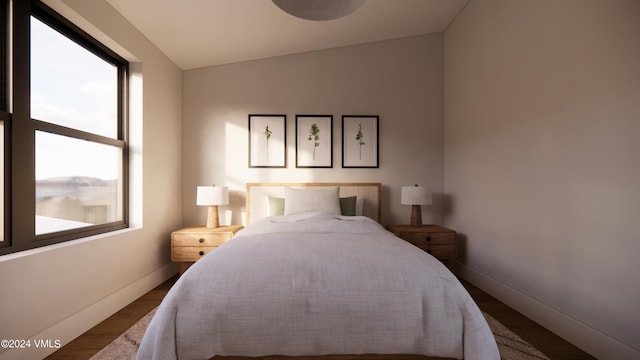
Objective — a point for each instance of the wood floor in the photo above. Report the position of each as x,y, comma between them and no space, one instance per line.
102,334
542,339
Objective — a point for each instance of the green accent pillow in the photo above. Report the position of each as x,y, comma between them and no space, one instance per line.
348,205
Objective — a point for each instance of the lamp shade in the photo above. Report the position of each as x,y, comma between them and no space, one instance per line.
212,195
415,195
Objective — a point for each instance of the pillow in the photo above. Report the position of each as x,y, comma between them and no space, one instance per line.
359,205
305,200
275,205
348,205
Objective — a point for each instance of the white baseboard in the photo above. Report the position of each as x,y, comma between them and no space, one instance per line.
68,329
584,337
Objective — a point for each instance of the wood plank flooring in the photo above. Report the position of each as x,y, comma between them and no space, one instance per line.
542,339
102,334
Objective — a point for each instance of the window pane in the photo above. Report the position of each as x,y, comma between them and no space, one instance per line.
78,183
4,54
70,86
1,181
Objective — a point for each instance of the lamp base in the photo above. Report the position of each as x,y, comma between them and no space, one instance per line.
212,217
416,215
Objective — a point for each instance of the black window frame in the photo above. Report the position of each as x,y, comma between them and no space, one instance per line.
20,128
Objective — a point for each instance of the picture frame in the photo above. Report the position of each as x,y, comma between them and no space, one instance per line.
360,141
314,141
267,141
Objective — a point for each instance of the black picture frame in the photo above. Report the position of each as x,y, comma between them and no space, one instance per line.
360,141
314,141
267,141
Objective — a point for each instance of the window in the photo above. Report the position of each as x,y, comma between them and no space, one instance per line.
4,116
65,131
2,204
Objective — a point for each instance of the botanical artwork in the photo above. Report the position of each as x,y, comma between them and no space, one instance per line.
360,141
267,140
314,135
267,134
314,141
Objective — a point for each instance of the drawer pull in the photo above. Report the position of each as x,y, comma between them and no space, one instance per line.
201,240
201,253
428,238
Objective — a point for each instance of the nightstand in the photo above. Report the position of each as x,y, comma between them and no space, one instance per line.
190,244
436,240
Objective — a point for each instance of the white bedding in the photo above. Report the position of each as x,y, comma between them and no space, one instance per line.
317,284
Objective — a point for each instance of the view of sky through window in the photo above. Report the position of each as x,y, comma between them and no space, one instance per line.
78,181
72,87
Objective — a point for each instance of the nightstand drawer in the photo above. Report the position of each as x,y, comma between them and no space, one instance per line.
190,253
190,244
424,238
435,240
441,251
202,239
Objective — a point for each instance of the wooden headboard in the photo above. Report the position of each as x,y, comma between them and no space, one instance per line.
257,194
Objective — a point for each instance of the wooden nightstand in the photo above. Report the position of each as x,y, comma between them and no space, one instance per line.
190,244
436,240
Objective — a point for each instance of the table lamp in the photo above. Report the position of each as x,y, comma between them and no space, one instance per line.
212,196
415,196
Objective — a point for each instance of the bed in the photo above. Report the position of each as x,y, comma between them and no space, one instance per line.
303,280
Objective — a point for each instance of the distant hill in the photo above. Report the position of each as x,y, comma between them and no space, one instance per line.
78,187
74,181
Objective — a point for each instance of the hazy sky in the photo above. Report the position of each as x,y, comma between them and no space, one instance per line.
72,87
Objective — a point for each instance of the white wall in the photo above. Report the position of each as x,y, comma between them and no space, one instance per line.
59,292
542,117
399,80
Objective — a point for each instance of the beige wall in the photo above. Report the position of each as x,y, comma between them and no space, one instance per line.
540,176
542,117
59,292
399,80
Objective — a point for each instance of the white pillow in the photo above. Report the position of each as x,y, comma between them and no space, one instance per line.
304,200
359,205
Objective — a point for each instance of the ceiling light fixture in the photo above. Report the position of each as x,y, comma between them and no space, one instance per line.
319,9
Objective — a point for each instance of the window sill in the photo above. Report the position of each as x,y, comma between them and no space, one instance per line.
21,254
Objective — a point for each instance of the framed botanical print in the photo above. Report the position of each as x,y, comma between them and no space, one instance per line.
314,141
360,140
267,141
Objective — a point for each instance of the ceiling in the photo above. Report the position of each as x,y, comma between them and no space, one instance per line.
201,33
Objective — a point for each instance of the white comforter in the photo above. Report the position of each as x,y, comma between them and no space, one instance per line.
317,284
